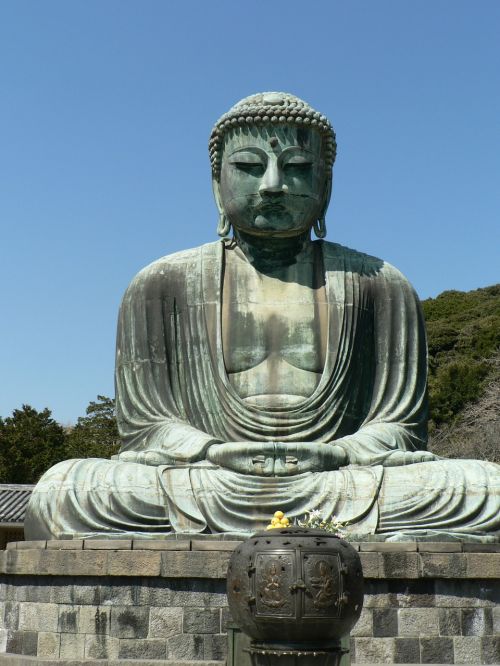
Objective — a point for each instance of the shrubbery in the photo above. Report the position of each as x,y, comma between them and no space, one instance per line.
463,331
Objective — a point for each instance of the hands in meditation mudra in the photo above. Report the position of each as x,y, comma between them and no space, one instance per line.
268,370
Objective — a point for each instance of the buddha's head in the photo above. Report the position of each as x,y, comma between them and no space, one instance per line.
272,158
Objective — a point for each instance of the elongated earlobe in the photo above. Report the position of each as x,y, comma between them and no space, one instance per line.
224,226
319,227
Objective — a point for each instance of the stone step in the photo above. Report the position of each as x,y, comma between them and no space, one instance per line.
23,660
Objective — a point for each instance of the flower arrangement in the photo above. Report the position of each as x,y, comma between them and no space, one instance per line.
314,520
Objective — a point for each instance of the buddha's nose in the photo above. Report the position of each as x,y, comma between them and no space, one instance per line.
272,180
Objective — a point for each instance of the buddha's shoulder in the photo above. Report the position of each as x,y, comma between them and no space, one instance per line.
341,258
175,267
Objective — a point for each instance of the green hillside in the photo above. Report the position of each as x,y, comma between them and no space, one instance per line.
464,372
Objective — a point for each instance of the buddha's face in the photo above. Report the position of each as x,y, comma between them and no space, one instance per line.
273,179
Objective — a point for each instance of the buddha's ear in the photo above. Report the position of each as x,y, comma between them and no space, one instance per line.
327,195
224,226
217,197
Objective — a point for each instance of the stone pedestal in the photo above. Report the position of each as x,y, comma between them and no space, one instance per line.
165,600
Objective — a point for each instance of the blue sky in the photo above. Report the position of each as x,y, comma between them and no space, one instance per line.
105,113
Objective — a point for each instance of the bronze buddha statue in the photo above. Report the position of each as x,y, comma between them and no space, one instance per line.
269,370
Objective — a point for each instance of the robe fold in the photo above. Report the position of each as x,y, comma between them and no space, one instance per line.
174,399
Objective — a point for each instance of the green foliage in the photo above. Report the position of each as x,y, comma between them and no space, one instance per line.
95,435
30,443
463,331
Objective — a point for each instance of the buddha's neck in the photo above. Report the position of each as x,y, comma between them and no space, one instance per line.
268,254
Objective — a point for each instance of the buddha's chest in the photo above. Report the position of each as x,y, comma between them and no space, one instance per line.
273,330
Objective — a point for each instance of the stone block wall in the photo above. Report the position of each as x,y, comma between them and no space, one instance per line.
165,600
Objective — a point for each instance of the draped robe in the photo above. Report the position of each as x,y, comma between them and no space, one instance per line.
174,399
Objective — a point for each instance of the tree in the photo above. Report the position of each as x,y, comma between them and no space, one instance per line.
30,443
94,435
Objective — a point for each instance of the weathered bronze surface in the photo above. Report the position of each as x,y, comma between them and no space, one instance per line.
270,371
296,592
295,585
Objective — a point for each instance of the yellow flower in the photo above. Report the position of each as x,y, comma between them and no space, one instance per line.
278,520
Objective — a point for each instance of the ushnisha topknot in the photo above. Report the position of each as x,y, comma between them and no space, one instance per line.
278,108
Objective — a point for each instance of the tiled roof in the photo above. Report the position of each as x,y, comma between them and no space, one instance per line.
13,500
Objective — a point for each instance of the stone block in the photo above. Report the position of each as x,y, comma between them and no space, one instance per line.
467,650
3,640
65,544
481,547
31,545
63,591
477,622
466,593
117,593
134,563
418,622
101,647
72,646
165,622
161,544
48,645
450,622
142,649
107,544
69,619
129,621
375,650
483,565
436,650
370,563
413,593
439,547
185,647
22,642
2,612
201,621
364,626
388,546
24,562
204,544
377,595
443,565
214,647
490,650
38,617
385,622
406,651
181,592
225,619
400,565
36,592
11,615
72,562
191,564
495,613
95,620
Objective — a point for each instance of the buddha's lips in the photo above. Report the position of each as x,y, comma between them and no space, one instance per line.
270,207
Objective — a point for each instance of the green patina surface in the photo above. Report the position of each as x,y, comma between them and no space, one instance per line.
269,370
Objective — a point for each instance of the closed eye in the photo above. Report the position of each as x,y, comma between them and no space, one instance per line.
297,167
252,168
